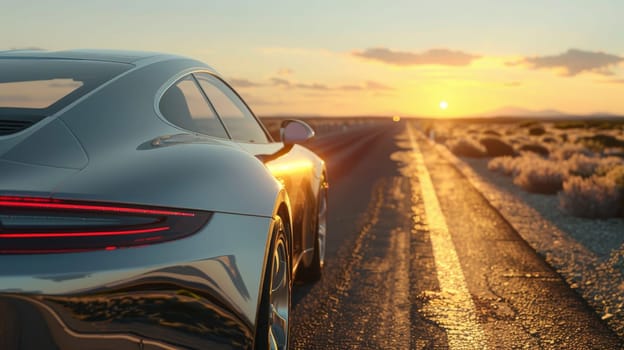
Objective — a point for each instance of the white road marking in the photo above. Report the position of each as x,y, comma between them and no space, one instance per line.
458,314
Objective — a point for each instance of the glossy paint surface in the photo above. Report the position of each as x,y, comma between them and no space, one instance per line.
111,146
191,292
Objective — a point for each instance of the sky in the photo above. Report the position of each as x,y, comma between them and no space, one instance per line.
367,57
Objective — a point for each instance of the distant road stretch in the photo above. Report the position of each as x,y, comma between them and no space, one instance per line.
417,259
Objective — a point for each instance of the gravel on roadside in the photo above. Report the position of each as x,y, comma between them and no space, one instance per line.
589,254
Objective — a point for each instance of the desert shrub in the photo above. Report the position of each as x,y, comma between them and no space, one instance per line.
505,165
615,151
617,175
535,148
441,138
593,197
599,142
496,147
466,148
606,124
549,139
608,164
582,165
540,175
564,137
437,135
567,150
564,125
491,133
519,140
528,124
537,131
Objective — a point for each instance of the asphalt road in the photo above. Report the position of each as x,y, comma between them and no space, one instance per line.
417,259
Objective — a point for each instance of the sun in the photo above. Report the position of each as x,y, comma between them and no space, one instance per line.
443,105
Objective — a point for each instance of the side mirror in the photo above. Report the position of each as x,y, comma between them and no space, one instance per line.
292,132
295,131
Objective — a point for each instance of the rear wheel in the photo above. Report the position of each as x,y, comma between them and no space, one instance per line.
273,321
313,272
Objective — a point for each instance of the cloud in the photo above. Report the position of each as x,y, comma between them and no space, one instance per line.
288,83
574,62
442,57
513,84
350,87
280,82
244,83
313,86
373,85
367,86
284,72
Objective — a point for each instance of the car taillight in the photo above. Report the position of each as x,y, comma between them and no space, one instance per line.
43,225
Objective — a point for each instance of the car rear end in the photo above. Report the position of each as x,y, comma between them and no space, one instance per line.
77,275
87,273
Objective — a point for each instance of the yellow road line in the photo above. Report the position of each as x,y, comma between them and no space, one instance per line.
457,312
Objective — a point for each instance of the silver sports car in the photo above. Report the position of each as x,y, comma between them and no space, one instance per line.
144,206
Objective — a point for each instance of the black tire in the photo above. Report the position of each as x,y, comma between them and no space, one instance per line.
314,271
272,312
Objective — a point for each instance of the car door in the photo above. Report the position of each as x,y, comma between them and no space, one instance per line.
295,169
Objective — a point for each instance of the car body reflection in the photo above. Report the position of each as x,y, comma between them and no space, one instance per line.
186,306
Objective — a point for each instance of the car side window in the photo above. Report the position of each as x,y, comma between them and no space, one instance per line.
184,105
240,123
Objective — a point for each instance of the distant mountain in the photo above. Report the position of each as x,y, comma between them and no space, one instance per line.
517,112
604,115
511,111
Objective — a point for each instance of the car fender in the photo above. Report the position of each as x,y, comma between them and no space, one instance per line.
210,176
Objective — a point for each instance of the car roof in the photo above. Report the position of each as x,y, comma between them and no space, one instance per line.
121,56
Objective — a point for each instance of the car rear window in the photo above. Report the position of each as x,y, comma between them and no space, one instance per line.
36,93
44,86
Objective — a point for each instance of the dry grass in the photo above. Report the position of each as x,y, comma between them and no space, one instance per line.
582,165
535,148
538,175
589,183
567,150
537,130
593,197
531,172
505,165
495,147
543,175
572,159
466,147
617,175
